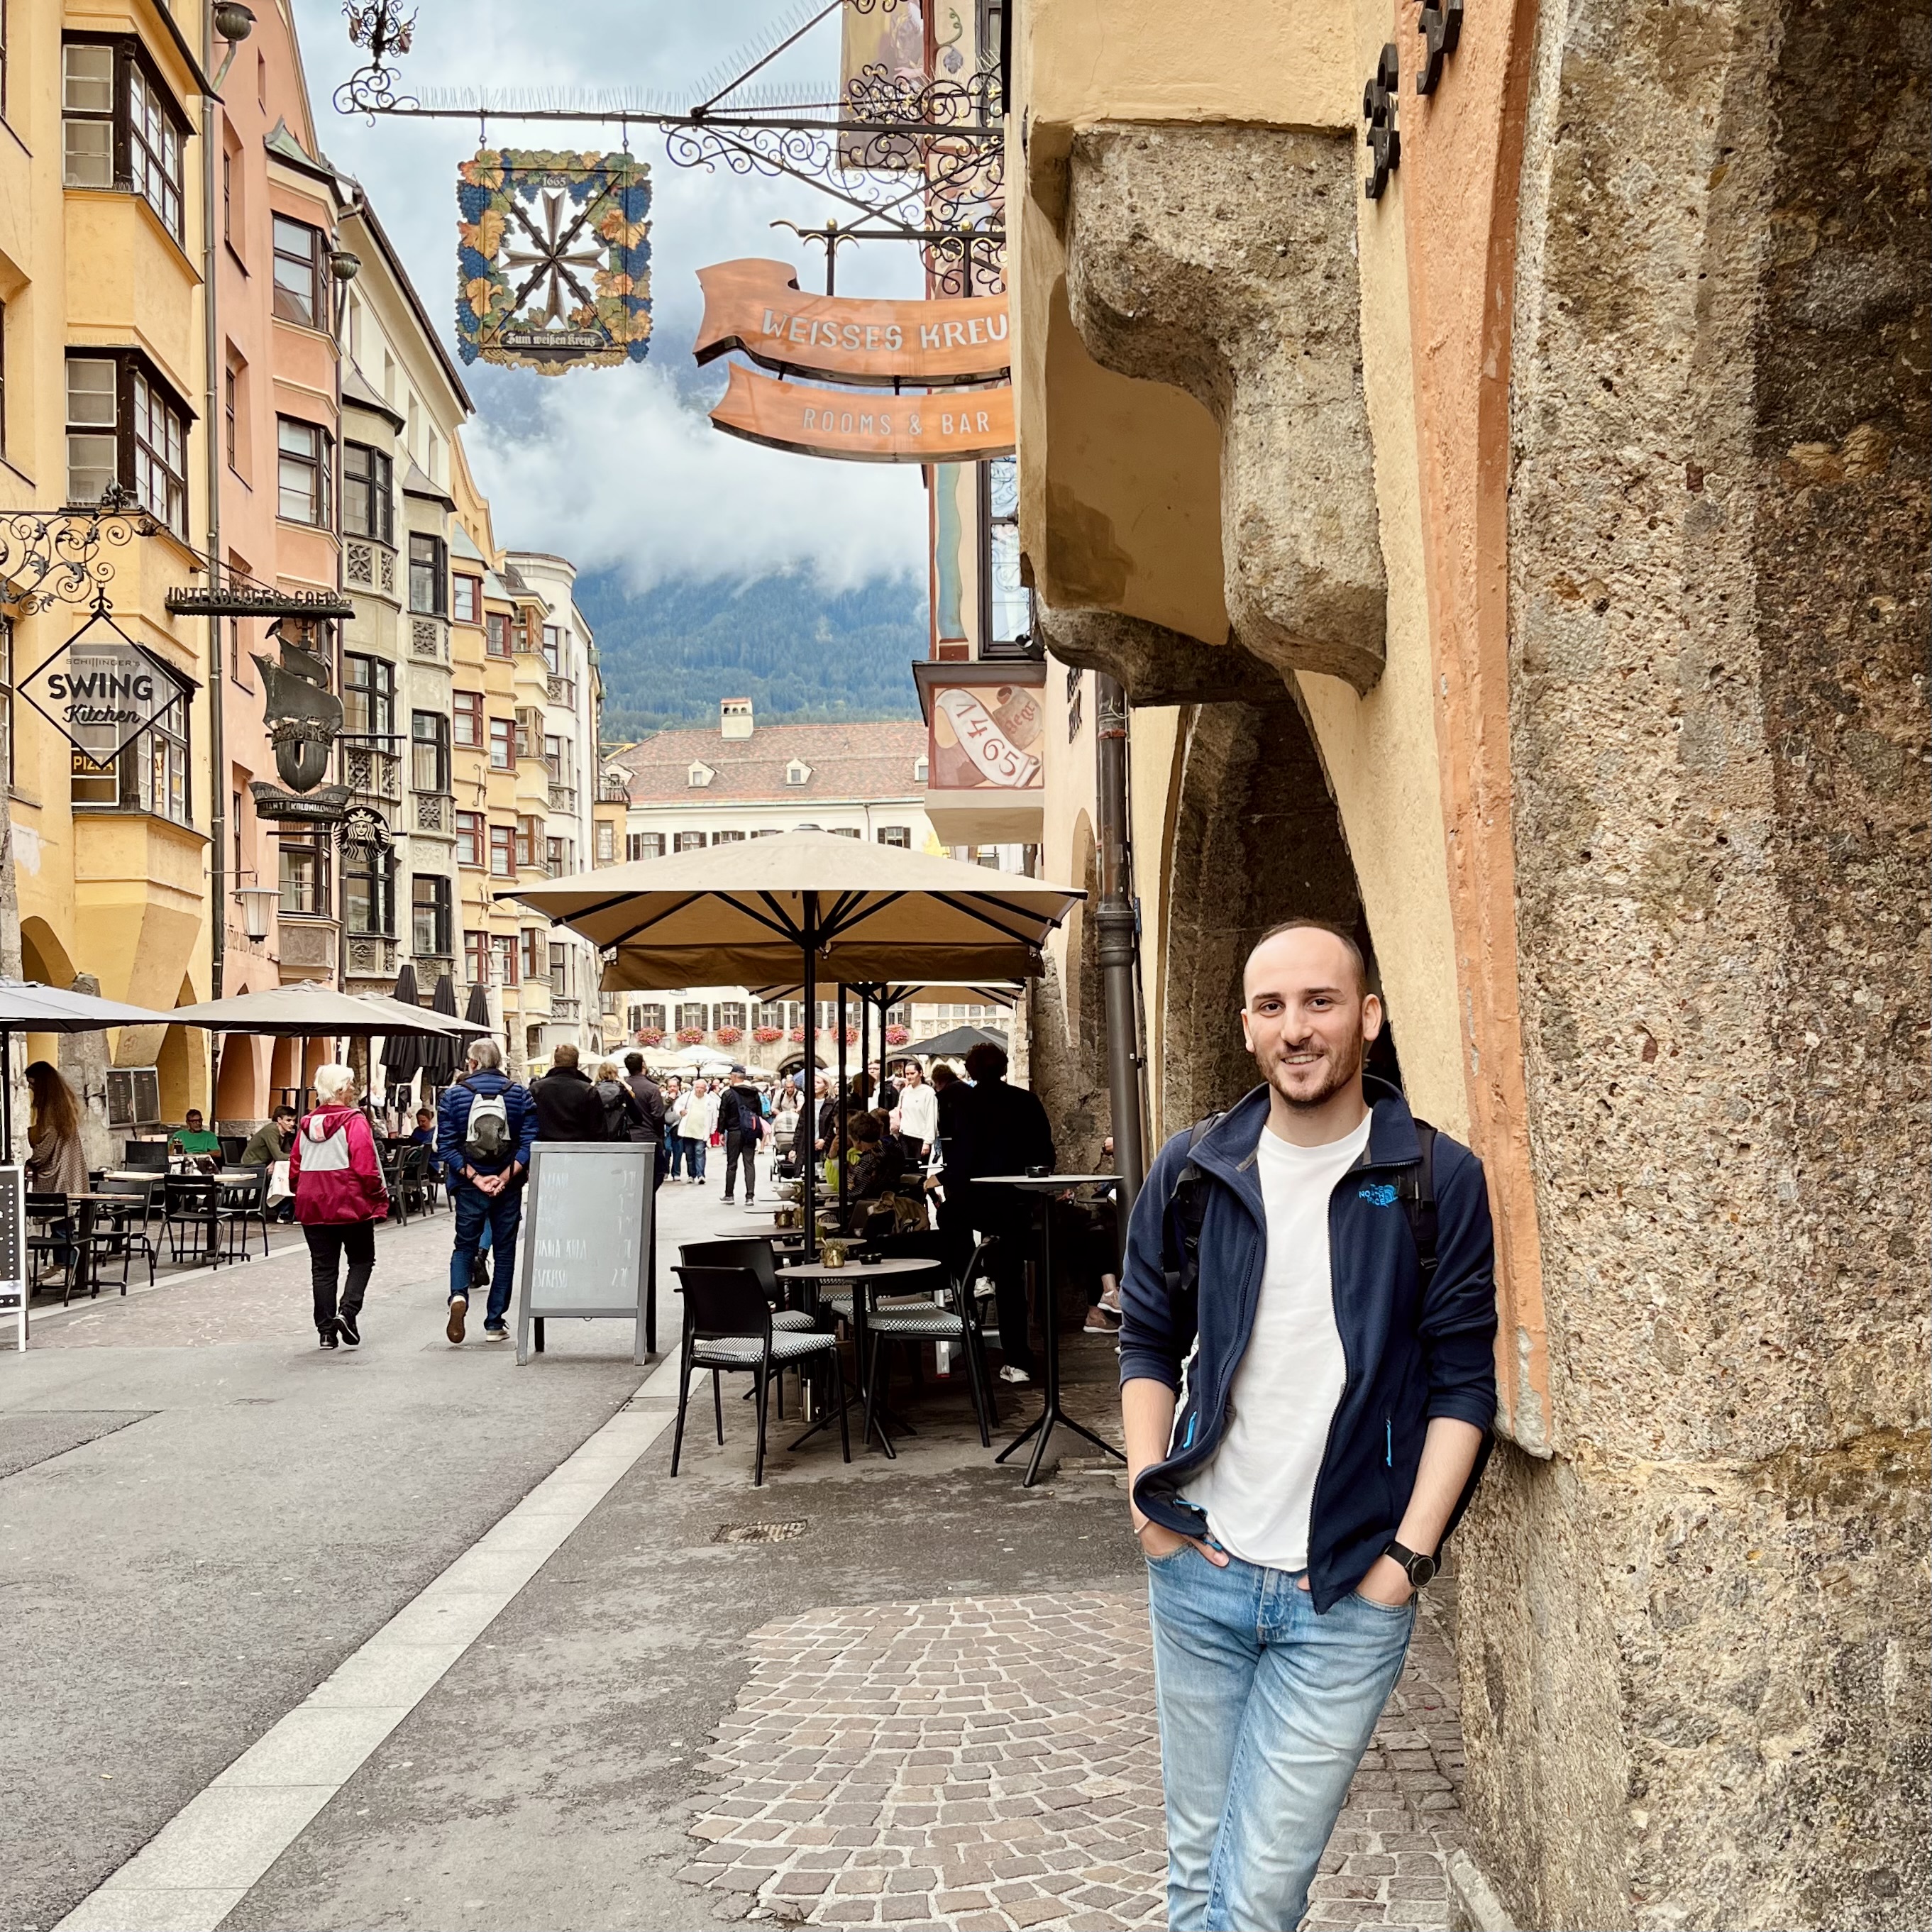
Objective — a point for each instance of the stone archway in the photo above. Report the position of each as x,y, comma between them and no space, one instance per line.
1067,1040
1257,839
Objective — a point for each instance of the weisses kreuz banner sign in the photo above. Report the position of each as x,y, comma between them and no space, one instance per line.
756,307
101,690
968,427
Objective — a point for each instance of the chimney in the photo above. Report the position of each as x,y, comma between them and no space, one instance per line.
734,718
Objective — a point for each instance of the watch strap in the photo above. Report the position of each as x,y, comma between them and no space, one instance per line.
1420,1569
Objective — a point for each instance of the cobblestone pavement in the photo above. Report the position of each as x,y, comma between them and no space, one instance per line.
993,1763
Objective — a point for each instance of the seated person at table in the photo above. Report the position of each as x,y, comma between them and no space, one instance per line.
425,1133
877,1176
269,1145
197,1143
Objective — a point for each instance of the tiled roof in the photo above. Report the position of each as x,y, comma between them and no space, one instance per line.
857,761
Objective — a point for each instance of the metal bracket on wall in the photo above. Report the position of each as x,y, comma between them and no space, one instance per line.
1440,27
1383,140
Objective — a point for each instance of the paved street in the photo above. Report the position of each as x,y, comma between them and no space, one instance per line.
907,1692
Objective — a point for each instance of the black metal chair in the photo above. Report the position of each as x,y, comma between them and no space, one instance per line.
192,1202
754,1251
238,1203
118,1232
50,1237
922,1319
233,1147
392,1157
145,1157
415,1179
728,1330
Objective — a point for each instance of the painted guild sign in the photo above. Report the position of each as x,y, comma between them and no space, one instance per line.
755,306
986,736
100,690
964,427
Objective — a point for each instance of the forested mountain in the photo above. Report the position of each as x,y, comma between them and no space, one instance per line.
796,649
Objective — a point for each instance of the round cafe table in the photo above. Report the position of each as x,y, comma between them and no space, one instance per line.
1046,1185
864,1277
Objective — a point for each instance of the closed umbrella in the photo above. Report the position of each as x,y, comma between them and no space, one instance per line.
845,911
402,1052
477,1014
438,1051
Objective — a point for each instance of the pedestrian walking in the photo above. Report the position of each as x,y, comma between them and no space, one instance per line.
741,1119
567,1103
622,1116
337,1178
699,1123
915,1121
650,1101
485,1126
997,1128
676,1100
1322,1263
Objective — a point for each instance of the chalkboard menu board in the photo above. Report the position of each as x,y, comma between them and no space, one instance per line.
13,1246
586,1236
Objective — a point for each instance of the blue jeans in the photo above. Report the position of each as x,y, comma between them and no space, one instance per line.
1265,1710
694,1151
673,1147
499,1216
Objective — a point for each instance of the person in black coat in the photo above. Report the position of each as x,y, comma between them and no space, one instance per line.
569,1106
996,1128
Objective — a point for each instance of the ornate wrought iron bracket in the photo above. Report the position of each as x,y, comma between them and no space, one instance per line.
64,556
382,27
1440,27
1383,139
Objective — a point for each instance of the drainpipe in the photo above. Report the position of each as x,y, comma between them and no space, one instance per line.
211,419
1114,918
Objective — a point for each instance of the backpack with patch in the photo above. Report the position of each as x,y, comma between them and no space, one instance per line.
486,1136
1415,1191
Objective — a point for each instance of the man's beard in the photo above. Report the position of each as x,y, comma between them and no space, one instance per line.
1342,1069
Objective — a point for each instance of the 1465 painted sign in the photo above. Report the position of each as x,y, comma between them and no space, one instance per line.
101,690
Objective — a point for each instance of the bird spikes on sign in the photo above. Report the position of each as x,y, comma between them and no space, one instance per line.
552,259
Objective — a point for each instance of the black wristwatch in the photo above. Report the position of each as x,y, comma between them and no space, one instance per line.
1419,1569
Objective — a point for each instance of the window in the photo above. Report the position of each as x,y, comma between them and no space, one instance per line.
227,189
689,842
301,458
534,961
3,306
556,856
368,696
700,773
526,844
469,839
503,956
1007,606
844,832
6,698
563,970
798,772
230,385
369,892
606,842
303,876
727,838
467,708
368,496
644,845
651,1018
467,603
771,1013
730,1014
151,774
429,752
476,958
429,916
558,757
553,646
920,767
119,125
234,827
122,427
298,275
692,1017
502,744
900,835
429,590
768,832
497,633
503,852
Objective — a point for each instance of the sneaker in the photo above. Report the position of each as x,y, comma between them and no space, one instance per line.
459,1307
728,1199
325,1338
496,1332
1010,1374
345,1327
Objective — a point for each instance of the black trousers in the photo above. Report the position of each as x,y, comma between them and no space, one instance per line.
1007,1214
328,1241
739,1147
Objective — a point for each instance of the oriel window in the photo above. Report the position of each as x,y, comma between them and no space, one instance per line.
468,601
429,915
429,752
303,872
298,274
93,427
502,744
368,496
429,579
368,696
302,471
466,712
369,892
120,124
497,633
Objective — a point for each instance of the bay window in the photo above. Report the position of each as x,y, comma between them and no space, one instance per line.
430,916
466,714
429,752
466,604
429,593
368,696
150,775
497,633
124,426
120,126
369,892
301,457
303,874
368,492
299,276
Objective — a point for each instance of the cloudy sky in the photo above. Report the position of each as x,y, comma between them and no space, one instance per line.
619,468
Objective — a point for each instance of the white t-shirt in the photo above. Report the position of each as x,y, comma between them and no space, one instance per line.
1258,1489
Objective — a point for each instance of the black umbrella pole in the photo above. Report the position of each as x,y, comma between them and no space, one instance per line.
841,1116
808,1108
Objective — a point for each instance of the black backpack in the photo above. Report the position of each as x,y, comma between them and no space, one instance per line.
1415,1189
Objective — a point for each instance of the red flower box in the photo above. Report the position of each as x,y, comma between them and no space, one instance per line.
765,1036
728,1036
650,1036
898,1036
691,1035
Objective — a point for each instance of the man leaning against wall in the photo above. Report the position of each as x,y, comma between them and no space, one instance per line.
1307,1385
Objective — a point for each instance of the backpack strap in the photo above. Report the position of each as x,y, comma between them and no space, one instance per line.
1415,1189
1186,1205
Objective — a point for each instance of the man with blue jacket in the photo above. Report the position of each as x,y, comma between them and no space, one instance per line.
1308,1383
484,1126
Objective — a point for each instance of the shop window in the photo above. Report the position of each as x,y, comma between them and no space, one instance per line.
300,278
368,492
429,916
302,472
429,576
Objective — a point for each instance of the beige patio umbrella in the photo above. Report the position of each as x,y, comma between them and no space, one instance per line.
318,1012
808,904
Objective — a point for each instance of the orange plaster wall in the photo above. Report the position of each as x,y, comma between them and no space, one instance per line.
1461,156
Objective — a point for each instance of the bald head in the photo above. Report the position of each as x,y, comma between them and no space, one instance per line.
1340,948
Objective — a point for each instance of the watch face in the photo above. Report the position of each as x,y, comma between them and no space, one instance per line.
1421,1569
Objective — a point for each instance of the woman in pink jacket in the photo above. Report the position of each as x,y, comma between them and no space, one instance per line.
340,1197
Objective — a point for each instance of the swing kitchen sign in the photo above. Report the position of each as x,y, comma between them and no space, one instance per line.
100,690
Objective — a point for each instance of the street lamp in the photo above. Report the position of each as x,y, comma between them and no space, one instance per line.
256,902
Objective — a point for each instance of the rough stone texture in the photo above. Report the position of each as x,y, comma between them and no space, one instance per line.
1696,1694
1154,664
1221,260
994,1763
1256,839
